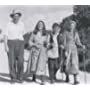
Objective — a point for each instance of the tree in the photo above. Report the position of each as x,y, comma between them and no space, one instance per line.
81,15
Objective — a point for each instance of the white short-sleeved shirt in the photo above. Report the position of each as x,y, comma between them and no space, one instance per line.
15,31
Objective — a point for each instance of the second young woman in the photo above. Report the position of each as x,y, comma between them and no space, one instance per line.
38,43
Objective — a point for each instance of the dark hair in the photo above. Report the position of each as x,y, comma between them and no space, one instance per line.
55,25
37,29
65,25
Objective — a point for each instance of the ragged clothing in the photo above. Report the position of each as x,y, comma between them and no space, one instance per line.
38,53
71,41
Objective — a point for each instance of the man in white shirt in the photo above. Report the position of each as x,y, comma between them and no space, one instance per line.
14,46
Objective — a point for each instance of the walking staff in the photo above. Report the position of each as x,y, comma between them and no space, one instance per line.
62,61
85,76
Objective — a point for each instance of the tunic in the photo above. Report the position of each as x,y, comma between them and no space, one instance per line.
38,54
71,41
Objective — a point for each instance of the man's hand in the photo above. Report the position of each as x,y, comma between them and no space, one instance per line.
6,48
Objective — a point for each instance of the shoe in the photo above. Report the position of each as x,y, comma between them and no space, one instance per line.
19,80
42,83
52,81
67,80
55,79
13,81
76,82
33,80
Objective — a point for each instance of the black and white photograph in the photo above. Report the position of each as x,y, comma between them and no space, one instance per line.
44,44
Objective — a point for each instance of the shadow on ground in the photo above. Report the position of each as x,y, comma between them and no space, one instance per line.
28,78
3,78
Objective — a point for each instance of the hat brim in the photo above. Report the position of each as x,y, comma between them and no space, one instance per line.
12,15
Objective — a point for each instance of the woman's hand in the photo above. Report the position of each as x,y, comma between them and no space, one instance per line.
66,54
62,46
83,46
37,45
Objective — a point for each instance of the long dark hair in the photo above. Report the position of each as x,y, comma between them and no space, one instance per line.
37,29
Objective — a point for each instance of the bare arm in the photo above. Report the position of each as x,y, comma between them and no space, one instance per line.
77,40
31,40
5,43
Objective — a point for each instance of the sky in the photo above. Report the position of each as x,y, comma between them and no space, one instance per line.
31,14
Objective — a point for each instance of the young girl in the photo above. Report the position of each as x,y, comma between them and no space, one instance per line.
53,52
38,42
